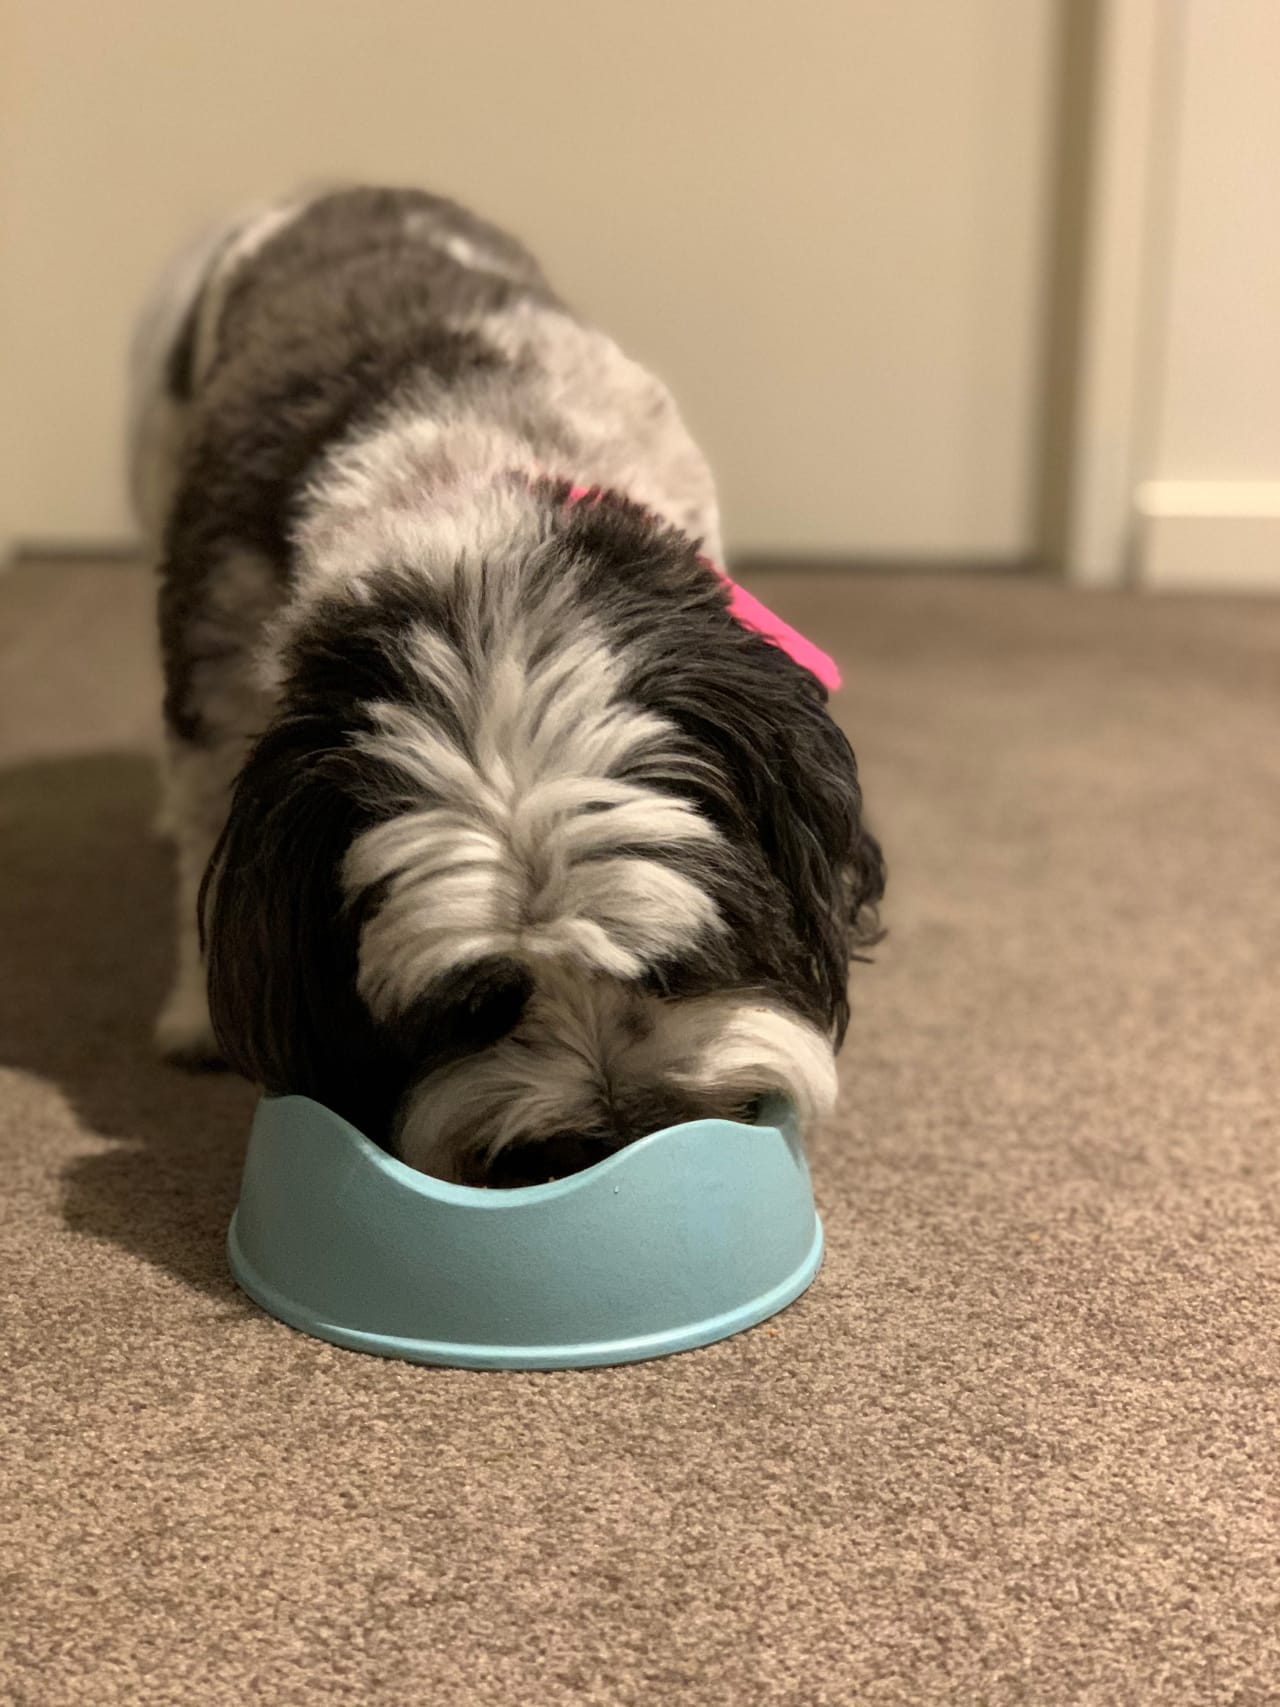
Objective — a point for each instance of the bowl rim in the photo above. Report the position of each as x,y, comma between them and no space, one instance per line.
493,1198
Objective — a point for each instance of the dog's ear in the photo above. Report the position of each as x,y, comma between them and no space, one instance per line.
864,882
808,802
769,766
280,944
780,779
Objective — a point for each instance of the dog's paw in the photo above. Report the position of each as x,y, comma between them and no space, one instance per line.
184,1034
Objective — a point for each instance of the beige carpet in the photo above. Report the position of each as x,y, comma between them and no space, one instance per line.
1021,1442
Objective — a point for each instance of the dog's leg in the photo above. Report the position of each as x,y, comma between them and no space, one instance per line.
219,700
197,792
211,606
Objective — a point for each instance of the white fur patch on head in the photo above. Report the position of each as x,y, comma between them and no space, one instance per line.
585,1048
531,843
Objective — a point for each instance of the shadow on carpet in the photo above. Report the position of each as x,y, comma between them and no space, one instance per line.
85,920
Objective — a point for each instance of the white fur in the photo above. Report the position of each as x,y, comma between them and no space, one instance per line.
727,1043
420,492
514,852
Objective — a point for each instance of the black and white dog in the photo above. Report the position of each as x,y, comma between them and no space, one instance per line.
501,835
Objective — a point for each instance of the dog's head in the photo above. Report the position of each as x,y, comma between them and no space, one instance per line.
539,856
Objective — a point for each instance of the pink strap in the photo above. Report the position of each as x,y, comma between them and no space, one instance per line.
751,613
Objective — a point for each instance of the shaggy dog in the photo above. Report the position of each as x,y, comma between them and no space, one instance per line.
497,830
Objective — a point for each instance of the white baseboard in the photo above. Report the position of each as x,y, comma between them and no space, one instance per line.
1211,536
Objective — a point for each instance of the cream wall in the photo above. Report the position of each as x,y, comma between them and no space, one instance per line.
1209,508
823,221
1218,414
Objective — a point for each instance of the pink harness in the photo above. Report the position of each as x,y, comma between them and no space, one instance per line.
752,614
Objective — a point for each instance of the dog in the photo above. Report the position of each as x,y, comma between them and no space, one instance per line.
497,830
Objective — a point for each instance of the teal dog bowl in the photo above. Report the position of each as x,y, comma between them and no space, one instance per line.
683,1238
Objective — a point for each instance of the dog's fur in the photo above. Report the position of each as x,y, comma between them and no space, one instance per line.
514,844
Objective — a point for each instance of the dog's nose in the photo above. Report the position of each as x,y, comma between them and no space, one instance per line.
635,1115
535,1162
650,1108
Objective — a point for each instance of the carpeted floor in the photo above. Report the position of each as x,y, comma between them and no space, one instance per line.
1021,1442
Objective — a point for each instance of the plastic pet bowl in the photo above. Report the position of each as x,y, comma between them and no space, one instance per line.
678,1240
